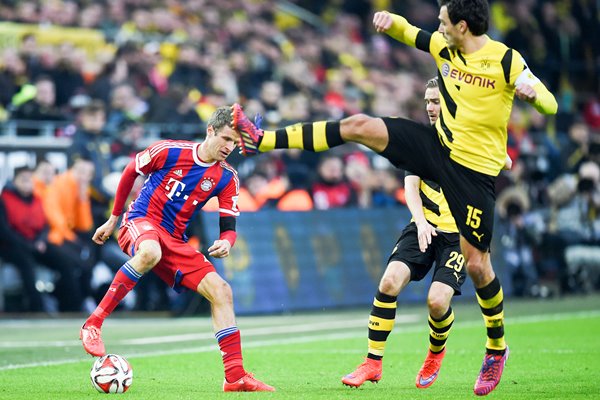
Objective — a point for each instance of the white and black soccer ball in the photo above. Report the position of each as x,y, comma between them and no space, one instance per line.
111,374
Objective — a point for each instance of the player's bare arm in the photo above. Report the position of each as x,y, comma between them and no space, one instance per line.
425,231
105,230
508,162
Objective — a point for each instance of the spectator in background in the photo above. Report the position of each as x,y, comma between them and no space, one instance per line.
578,224
592,112
40,107
361,178
90,143
270,97
24,243
177,106
112,74
67,206
518,240
577,148
254,197
331,189
125,145
30,55
190,69
296,197
300,166
388,190
125,106
67,74
13,75
43,176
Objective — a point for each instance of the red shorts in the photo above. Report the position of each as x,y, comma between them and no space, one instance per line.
180,265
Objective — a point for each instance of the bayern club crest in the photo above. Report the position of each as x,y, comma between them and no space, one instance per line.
207,184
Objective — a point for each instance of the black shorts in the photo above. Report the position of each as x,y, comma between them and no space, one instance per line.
470,194
444,250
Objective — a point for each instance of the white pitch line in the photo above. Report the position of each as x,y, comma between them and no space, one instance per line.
199,349
270,330
247,332
308,339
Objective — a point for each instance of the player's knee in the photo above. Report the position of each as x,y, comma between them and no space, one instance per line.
478,269
390,284
353,128
149,256
222,293
438,305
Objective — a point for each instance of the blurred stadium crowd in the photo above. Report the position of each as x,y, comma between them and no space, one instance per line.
109,77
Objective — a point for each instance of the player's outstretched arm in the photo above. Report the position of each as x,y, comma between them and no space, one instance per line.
397,27
382,20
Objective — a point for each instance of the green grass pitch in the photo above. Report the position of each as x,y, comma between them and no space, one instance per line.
555,354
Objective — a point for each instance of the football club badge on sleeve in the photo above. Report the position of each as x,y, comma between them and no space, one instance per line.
144,159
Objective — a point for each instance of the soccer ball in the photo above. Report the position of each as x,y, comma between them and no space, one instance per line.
111,374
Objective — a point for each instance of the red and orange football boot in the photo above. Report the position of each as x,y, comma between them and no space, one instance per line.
430,369
247,383
370,370
250,132
91,338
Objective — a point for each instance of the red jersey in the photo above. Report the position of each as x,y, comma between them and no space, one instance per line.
178,184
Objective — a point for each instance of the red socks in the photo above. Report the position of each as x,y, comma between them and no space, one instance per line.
231,349
124,281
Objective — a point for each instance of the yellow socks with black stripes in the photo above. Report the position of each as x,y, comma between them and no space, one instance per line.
315,136
490,300
381,323
439,331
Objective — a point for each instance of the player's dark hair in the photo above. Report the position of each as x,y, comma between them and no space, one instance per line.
432,83
475,13
220,118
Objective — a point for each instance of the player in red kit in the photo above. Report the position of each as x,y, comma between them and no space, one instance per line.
181,176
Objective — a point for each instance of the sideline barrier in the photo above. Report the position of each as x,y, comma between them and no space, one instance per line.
289,261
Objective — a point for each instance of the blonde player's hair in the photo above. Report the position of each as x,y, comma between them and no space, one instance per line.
432,83
220,118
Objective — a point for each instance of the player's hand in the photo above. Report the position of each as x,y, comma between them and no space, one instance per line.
425,232
103,232
508,162
526,93
382,20
219,249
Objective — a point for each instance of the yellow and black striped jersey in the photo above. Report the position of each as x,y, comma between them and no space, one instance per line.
435,207
476,92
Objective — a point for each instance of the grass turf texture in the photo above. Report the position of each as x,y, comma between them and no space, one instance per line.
554,355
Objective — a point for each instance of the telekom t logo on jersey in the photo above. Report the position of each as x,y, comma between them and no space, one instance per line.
175,188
